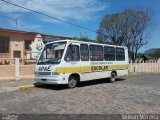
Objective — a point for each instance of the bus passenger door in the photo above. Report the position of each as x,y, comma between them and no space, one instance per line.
72,58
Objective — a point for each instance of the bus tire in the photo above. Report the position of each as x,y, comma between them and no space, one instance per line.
112,78
72,82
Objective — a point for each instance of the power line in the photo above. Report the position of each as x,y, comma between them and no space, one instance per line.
48,16
14,19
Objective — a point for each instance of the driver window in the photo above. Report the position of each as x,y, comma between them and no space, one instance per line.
72,53
58,54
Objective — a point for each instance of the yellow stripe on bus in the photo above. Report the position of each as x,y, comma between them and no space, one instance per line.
90,68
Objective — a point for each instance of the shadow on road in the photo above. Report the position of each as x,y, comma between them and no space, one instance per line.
52,87
97,81
81,84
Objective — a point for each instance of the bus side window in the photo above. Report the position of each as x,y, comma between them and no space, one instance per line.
109,53
120,54
72,53
84,52
96,53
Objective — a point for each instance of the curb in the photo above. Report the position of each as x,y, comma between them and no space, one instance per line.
25,86
9,89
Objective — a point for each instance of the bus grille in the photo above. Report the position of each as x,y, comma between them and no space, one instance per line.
44,73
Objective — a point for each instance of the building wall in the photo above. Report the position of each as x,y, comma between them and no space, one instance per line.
17,41
7,72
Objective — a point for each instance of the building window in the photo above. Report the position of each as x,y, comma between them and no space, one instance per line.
84,52
120,54
109,53
96,53
4,44
27,45
17,54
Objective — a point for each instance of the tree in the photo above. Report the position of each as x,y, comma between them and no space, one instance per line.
84,38
87,39
128,28
153,52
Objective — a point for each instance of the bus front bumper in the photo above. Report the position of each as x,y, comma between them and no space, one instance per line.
49,79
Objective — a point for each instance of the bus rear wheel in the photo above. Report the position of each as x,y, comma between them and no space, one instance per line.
112,78
72,82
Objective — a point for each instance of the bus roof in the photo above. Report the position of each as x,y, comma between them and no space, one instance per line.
77,41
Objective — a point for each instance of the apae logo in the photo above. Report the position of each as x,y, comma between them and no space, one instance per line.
44,68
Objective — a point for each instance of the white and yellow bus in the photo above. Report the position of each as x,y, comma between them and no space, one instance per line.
69,62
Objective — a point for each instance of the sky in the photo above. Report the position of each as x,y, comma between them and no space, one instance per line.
86,13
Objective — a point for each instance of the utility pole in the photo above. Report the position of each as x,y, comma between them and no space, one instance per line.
14,19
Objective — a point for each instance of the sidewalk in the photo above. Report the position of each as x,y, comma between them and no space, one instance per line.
6,86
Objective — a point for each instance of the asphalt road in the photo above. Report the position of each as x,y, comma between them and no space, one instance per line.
132,94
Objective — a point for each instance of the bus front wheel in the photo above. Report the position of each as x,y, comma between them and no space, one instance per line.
112,77
72,82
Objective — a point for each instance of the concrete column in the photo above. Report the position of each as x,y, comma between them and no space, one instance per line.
17,69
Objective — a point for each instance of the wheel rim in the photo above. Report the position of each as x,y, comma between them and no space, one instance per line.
72,83
113,77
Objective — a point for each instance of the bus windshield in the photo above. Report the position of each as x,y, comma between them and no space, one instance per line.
52,53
